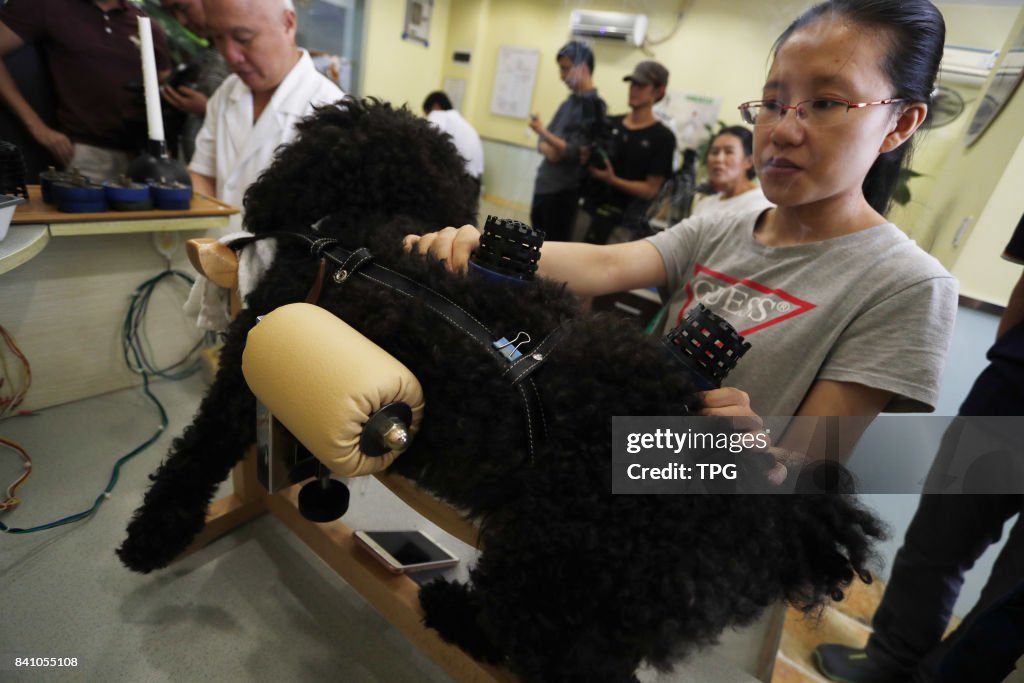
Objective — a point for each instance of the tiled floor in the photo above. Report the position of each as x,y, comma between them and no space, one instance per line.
255,606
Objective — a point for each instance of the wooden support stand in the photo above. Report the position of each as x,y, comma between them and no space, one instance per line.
396,597
247,501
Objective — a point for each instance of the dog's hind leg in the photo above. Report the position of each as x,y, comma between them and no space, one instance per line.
511,614
452,610
174,509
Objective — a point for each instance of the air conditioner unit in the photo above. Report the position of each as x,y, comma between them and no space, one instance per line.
613,25
966,65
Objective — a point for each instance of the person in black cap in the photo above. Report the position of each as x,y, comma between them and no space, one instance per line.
631,164
557,187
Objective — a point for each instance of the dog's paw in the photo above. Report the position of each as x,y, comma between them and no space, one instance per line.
152,546
138,558
451,610
158,533
142,552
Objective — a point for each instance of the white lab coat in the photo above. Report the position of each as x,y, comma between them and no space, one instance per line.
230,149
464,137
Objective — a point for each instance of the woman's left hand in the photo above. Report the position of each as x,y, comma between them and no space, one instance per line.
451,245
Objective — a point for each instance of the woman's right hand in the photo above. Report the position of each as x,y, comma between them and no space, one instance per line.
735,404
454,246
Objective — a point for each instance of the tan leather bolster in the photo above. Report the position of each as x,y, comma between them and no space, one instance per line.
323,380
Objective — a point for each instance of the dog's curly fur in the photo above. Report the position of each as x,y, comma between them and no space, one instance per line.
574,583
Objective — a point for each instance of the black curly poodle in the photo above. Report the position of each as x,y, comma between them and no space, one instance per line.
574,583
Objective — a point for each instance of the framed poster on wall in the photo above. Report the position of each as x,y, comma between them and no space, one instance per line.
690,116
417,21
514,78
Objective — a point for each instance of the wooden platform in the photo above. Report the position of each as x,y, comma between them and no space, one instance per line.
205,212
395,597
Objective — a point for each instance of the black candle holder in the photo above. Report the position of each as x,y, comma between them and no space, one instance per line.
156,166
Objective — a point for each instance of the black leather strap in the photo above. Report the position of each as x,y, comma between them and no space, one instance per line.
518,373
524,366
352,263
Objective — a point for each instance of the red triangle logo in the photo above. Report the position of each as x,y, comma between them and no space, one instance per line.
744,303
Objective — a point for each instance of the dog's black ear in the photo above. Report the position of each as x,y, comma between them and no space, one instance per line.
362,158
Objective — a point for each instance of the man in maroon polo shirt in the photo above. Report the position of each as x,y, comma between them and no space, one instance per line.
92,50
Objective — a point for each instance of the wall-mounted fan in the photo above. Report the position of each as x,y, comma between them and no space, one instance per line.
1009,74
946,106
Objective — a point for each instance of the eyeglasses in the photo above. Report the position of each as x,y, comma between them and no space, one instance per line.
821,111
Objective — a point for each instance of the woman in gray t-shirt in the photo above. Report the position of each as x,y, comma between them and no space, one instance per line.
871,313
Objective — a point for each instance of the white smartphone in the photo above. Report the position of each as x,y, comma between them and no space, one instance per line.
406,551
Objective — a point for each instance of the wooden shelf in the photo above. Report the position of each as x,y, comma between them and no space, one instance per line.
204,214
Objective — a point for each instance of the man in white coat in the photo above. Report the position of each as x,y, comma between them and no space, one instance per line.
273,85
439,111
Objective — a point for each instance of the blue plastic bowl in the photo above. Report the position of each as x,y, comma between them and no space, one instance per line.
128,197
85,198
46,180
51,175
172,196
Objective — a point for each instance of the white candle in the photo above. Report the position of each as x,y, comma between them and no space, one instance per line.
150,81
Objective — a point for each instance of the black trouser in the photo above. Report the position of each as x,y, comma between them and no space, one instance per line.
990,648
947,536
555,214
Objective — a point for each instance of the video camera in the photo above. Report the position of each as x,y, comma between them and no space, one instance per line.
596,133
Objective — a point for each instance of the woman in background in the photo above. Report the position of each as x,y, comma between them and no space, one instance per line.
730,163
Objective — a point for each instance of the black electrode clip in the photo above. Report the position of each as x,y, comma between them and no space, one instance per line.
517,371
707,346
508,253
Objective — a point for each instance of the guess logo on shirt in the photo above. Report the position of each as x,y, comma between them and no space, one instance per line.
748,305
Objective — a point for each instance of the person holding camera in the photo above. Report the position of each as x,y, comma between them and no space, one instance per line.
189,88
630,163
556,193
